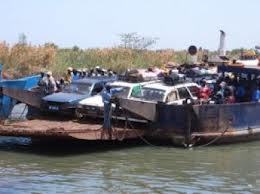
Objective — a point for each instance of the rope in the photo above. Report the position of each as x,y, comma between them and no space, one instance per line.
140,136
214,140
26,106
127,122
20,115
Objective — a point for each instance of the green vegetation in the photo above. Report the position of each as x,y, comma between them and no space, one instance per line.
25,59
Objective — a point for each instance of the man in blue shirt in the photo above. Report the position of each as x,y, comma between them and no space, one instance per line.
107,95
256,94
75,74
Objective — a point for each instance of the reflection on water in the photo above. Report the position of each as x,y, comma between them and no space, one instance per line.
121,169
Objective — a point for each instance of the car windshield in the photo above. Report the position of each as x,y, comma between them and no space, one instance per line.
124,93
151,94
79,88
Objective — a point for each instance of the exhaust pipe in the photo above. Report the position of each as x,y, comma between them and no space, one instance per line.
222,42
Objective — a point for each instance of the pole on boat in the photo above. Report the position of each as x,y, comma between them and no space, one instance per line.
188,108
1,68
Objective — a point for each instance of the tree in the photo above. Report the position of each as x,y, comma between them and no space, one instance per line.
50,45
135,41
22,40
75,48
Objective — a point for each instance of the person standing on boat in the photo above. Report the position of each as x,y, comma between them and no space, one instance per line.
75,74
240,91
256,94
204,92
43,83
107,96
69,76
52,87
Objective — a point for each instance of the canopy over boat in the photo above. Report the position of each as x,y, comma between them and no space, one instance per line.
239,69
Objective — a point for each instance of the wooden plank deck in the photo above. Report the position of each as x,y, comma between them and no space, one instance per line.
62,129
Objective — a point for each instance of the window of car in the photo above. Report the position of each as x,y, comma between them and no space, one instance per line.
122,94
80,88
136,91
151,94
97,88
194,90
183,93
172,96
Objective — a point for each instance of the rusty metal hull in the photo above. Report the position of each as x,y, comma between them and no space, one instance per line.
227,137
227,123
30,97
41,128
146,110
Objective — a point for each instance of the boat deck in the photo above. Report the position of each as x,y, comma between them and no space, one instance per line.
67,129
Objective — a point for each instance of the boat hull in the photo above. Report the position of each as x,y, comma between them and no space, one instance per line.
207,124
7,103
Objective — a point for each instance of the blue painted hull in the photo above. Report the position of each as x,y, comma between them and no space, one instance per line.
7,103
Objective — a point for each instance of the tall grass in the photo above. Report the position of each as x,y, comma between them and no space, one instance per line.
24,59
20,59
118,59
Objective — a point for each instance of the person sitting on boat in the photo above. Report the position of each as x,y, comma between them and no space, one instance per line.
229,96
91,73
84,73
68,77
204,92
110,72
98,71
240,91
52,87
80,73
60,85
218,98
43,83
75,74
107,96
256,94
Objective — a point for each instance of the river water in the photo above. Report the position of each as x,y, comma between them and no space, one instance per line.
138,168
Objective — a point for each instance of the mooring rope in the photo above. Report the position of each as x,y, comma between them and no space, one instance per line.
127,122
214,140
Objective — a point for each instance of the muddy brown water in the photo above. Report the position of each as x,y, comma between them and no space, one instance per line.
122,168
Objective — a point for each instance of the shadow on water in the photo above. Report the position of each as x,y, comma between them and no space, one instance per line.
67,147
62,148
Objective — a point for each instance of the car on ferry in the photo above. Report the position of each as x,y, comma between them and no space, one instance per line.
169,94
94,107
67,100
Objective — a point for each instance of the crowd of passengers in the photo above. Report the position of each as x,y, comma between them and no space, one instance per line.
228,89
49,85
231,89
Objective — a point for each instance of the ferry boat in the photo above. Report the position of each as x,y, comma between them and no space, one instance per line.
202,124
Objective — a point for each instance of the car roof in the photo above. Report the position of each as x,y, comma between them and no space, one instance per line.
123,84
163,86
130,84
93,80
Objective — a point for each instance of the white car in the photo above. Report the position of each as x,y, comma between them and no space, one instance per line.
170,94
94,107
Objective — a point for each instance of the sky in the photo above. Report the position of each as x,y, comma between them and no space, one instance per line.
98,23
